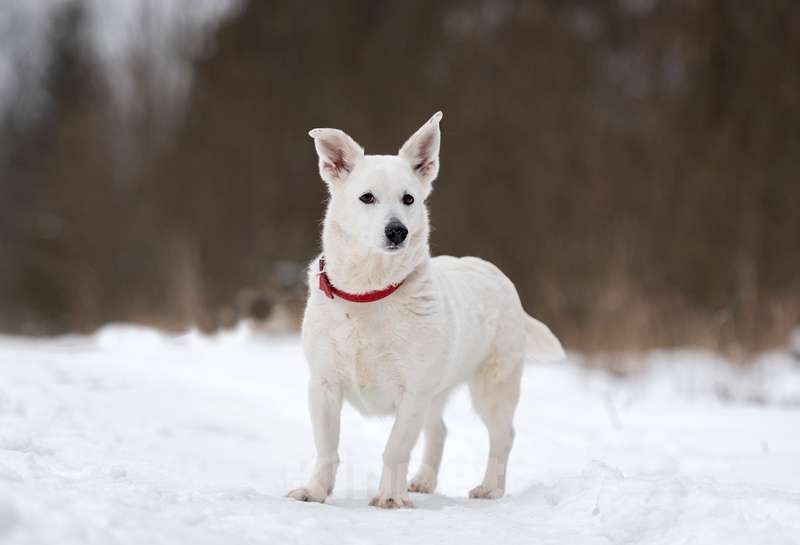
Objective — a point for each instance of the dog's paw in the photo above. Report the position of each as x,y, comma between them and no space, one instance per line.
486,492
391,502
305,494
423,484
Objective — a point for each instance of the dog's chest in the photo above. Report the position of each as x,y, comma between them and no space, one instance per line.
370,355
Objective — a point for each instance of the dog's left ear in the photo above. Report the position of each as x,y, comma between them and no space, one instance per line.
338,154
422,149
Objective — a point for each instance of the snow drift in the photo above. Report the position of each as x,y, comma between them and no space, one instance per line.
131,436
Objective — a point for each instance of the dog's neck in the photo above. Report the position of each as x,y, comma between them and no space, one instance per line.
355,269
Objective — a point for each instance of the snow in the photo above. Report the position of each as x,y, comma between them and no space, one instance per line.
132,436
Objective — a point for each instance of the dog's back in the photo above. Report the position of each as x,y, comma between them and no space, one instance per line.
484,316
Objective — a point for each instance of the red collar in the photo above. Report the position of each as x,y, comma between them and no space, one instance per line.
330,290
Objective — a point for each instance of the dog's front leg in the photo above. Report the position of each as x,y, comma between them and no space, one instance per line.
407,426
325,406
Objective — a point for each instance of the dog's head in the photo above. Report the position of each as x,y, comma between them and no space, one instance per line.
378,201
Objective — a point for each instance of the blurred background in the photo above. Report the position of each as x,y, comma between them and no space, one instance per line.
631,164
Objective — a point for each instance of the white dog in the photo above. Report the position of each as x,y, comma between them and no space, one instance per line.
393,331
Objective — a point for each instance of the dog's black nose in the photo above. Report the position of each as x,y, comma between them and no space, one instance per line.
396,232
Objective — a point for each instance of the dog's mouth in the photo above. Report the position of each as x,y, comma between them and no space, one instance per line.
392,247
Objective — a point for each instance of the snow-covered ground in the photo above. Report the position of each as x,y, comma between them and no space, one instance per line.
134,437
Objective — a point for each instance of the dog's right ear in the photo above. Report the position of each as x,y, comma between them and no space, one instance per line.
422,150
338,154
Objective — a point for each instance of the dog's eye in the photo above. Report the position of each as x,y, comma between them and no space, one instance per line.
367,198
408,200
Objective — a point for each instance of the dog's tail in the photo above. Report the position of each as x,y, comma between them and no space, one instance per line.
541,345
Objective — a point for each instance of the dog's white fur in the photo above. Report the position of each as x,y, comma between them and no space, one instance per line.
453,320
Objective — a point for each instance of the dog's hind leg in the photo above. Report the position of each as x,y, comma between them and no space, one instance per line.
495,393
435,434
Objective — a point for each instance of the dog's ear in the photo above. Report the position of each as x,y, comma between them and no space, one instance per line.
338,154
422,149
